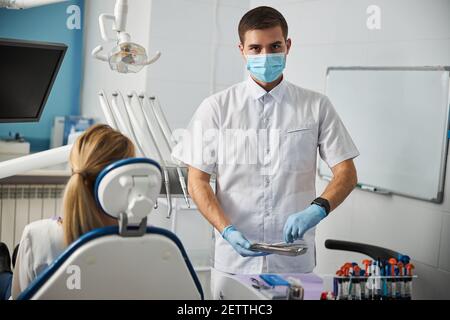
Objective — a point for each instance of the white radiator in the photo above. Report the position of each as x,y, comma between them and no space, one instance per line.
23,204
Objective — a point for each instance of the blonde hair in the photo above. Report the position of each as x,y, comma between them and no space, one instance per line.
91,153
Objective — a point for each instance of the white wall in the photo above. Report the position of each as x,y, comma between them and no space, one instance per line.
98,75
200,57
200,54
414,33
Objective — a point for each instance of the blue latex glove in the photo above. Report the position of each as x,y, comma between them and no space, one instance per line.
298,223
239,242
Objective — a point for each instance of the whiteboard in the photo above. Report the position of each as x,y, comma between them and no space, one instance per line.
399,120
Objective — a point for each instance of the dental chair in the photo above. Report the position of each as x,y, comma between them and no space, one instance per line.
128,261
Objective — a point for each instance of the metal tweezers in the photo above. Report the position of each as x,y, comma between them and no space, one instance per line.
285,249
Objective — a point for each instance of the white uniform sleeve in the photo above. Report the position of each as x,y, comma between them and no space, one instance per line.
23,272
198,144
335,143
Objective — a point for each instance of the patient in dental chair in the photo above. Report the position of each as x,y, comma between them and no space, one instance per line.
43,241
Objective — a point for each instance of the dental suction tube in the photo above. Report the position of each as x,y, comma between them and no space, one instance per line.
155,143
164,127
107,111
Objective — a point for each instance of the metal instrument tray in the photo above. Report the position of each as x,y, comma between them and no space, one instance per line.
284,249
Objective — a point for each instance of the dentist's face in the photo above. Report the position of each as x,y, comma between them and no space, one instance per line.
265,41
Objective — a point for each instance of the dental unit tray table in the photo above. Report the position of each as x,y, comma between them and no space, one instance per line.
284,249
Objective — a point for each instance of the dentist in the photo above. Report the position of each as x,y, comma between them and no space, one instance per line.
272,199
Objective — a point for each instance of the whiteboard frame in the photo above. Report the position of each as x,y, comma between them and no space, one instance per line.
445,139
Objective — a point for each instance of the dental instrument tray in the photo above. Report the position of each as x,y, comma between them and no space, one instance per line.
284,249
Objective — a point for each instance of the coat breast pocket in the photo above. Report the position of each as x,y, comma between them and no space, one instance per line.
299,149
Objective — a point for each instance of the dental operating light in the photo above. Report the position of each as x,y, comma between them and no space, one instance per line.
126,56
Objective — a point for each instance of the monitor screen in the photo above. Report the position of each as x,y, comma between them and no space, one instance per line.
27,73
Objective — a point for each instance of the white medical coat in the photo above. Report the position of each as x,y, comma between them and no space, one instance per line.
258,196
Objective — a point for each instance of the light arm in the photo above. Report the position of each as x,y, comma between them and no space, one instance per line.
34,161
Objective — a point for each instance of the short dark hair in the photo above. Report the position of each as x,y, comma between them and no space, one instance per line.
262,18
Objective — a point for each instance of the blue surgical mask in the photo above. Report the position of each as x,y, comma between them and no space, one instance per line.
266,67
